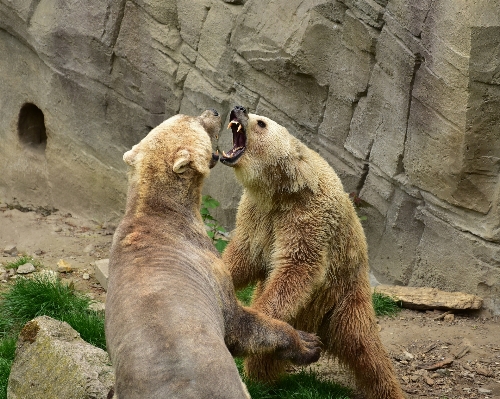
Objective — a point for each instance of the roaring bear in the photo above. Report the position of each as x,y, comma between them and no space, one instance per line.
172,319
298,237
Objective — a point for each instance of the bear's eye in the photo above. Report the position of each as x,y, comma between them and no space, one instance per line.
261,124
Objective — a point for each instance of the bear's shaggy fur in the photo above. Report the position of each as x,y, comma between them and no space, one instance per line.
172,318
299,238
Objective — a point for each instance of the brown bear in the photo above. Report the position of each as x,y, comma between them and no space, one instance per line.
298,237
172,319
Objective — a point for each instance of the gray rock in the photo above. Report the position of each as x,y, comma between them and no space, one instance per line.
52,361
10,249
101,269
26,268
89,248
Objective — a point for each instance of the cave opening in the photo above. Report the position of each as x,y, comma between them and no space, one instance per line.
31,127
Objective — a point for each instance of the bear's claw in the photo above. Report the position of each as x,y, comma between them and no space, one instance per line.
310,350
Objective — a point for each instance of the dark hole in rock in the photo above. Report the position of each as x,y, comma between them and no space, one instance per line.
31,126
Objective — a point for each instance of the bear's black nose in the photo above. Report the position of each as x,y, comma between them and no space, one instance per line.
240,108
214,111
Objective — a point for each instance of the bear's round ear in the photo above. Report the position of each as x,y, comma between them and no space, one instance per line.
182,159
130,156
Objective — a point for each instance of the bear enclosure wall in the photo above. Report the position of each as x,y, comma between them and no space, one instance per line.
401,97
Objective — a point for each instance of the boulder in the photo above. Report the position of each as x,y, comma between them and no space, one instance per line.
423,298
52,361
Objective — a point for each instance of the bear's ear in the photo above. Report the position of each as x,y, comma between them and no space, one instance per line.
182,159
130,156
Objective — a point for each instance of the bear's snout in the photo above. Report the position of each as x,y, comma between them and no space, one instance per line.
240,108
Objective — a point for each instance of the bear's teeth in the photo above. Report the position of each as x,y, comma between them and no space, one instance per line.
239,128
234,122
224,154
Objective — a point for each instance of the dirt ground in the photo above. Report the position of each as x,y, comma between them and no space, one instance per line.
457,357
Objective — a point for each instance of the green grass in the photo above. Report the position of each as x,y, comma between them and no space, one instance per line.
245,295
302,384
384,305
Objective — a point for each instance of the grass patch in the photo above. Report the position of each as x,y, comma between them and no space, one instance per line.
21,260
46,295
384,305
303,384
245,295
38,296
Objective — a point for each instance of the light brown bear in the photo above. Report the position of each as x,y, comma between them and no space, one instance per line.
298,237
172,318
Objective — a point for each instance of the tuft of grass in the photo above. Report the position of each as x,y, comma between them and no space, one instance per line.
41,295
304,384
21,260
89,324
7,353
384,305
45,295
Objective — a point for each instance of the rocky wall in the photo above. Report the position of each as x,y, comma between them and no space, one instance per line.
402,98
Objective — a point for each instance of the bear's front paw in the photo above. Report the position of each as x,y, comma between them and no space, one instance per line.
310,349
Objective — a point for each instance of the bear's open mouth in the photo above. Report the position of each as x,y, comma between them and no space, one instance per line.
239,142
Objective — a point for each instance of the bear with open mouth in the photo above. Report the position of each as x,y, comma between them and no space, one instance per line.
173,322
299,239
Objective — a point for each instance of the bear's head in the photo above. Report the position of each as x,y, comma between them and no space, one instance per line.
174,157
265,155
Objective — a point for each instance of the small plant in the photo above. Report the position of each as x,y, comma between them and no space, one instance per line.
214,229
22,260
384,305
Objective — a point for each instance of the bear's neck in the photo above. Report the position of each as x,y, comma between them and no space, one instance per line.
179,200
283,182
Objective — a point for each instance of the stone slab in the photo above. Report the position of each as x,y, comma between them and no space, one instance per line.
101,269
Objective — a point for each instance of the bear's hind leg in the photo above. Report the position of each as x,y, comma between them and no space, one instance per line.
353,337
264,368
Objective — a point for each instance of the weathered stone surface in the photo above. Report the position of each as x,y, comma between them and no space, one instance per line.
395,238
52,361
400,97
25,269
10,249
453,260
430,298
101,270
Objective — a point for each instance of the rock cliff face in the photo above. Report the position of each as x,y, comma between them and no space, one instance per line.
401,97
